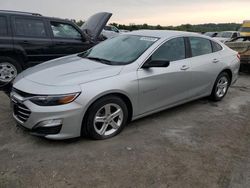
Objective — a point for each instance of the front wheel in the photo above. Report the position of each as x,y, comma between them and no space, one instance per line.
9,68
105,118
221,86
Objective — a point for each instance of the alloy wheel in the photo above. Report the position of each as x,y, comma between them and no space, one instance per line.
108,119
7,72
222,86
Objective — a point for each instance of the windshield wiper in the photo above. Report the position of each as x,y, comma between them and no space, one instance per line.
105,61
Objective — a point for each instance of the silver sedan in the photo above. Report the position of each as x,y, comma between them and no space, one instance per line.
96,93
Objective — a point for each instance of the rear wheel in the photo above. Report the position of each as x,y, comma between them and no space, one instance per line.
9,68
221,86
105,118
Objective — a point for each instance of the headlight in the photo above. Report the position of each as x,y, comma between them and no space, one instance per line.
54,100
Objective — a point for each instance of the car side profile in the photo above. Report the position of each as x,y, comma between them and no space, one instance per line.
97,92
27,39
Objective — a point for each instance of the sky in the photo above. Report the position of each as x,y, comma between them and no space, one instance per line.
154,12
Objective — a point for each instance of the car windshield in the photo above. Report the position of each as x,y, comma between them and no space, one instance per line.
225,34
120,50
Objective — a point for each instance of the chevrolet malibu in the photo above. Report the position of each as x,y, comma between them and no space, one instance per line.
97,92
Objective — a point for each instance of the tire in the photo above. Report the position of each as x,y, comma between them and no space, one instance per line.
221,86
9,69
99,123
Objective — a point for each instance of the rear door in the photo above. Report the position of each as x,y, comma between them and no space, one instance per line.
206,62
31,36
6,43
67,39
163,86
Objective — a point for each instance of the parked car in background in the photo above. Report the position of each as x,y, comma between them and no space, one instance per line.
110,31
27,39
245,29
227,36
241,45
123,31
96,93
211,34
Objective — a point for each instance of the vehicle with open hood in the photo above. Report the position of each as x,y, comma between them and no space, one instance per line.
27,39
242,46
225,36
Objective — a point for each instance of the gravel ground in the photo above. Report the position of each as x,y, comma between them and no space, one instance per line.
199,144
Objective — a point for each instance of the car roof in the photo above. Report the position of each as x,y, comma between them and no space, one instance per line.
20,13
163,33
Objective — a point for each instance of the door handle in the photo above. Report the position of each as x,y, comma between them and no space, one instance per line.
184,67
216,61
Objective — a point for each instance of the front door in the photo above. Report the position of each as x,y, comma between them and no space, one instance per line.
165,86
67,39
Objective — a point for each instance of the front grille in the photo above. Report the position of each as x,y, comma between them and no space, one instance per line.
21,111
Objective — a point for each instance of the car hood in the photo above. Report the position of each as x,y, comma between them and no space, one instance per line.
95,24
70,70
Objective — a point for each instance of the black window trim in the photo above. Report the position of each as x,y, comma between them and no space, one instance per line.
29,18
188,47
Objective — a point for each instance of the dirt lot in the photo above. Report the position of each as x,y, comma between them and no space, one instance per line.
200,144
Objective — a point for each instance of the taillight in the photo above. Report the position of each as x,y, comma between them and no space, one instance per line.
238,55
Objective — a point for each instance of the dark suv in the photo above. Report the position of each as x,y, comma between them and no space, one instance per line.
27,39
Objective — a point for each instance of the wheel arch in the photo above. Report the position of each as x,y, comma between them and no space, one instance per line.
229,72
17,55
119,94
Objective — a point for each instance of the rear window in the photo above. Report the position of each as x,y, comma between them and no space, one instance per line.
200,46
3,26
29,27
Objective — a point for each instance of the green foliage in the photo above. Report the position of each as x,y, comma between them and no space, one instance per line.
185,27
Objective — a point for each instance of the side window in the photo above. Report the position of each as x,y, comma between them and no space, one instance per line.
63,30
29,27
172,50
3,26
216,46
200,46
115,29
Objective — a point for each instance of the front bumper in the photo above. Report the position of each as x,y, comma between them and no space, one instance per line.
38,118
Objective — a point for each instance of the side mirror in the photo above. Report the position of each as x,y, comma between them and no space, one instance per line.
156,63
